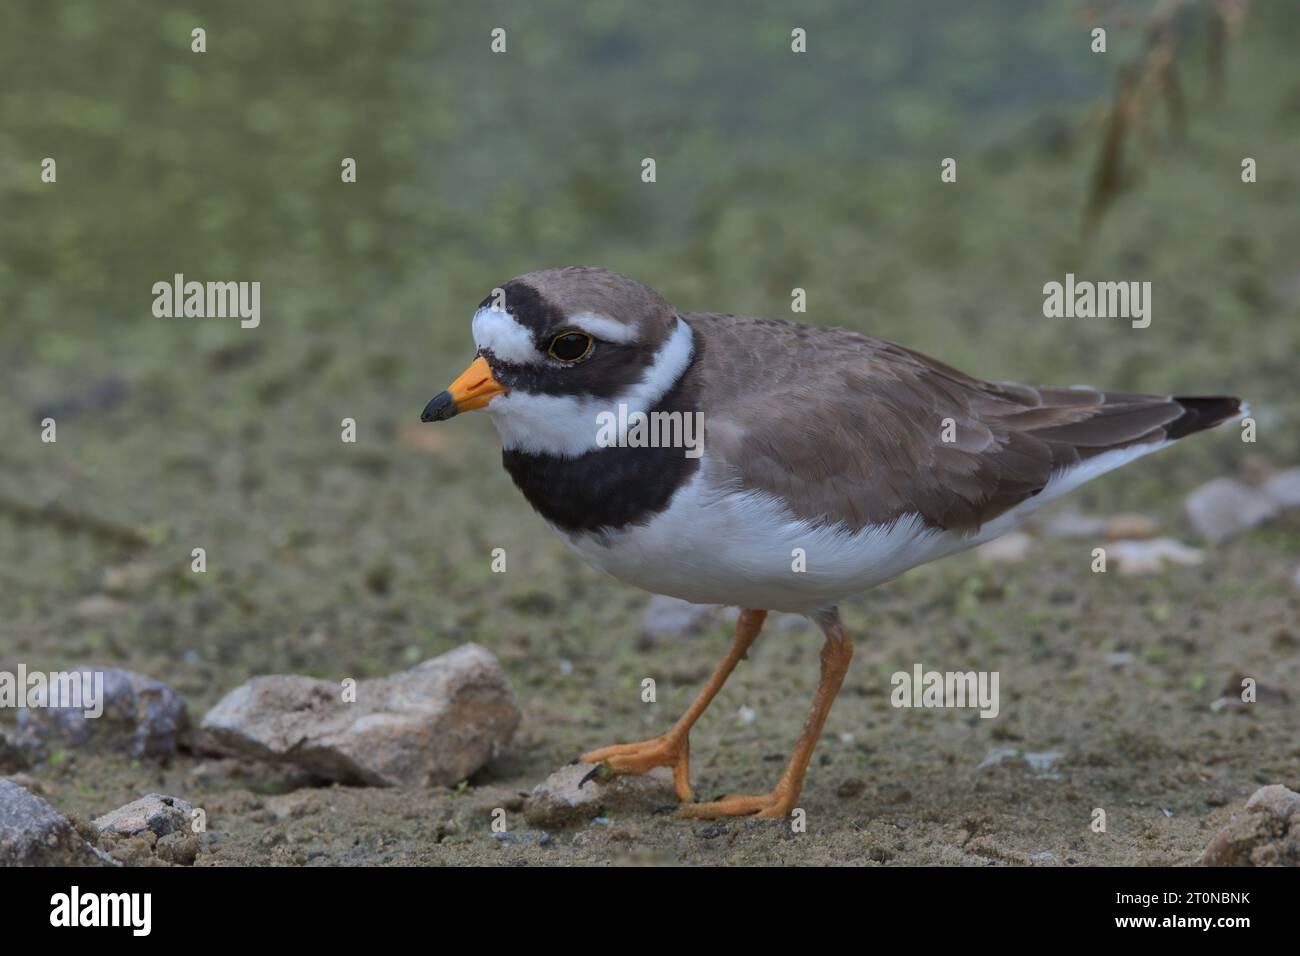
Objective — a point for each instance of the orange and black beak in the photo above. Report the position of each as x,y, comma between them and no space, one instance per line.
473,388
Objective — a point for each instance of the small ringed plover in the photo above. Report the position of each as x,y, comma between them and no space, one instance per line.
831,462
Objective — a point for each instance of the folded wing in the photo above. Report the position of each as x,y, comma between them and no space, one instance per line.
860,431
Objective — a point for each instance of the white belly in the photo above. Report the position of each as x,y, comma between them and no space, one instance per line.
714,546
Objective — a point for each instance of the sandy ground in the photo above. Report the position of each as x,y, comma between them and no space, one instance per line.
357,560
1138,740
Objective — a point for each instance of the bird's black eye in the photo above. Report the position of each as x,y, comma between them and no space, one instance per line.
571,346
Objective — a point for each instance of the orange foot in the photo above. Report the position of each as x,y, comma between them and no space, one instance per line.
663,751
770,806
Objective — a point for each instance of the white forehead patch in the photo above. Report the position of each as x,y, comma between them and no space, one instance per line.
509,341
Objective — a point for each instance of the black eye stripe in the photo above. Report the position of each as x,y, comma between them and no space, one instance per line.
619,366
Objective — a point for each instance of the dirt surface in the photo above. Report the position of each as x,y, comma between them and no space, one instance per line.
356,560
888,786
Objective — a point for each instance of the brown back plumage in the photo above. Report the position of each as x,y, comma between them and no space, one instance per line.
848,428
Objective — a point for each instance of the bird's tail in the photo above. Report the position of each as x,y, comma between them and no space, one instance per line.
1200,413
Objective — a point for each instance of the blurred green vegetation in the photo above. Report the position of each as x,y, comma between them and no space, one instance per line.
775,170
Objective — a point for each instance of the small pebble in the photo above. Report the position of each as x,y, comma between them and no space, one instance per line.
1071,524
1009,549
1224,507
1284,488
668,618
1131,527
1150,557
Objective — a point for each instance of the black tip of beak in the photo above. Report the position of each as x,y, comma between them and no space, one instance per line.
440,409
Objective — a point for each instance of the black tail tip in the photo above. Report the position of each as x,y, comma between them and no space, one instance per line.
1202,413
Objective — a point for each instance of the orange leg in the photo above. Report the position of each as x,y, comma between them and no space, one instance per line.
836,654
672,749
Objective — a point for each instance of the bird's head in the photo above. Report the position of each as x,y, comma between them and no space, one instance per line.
556,348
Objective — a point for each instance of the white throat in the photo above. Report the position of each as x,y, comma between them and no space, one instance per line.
566,425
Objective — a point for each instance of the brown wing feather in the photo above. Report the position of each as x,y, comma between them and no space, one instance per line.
848,428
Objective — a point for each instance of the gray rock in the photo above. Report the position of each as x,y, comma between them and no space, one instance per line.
1223,507
153,813
33,833
141,717
1275,799
559,801
998,755
1010,548
1151,556
1267,834
1284,488
670,618
1072,524
1042,765
433,725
